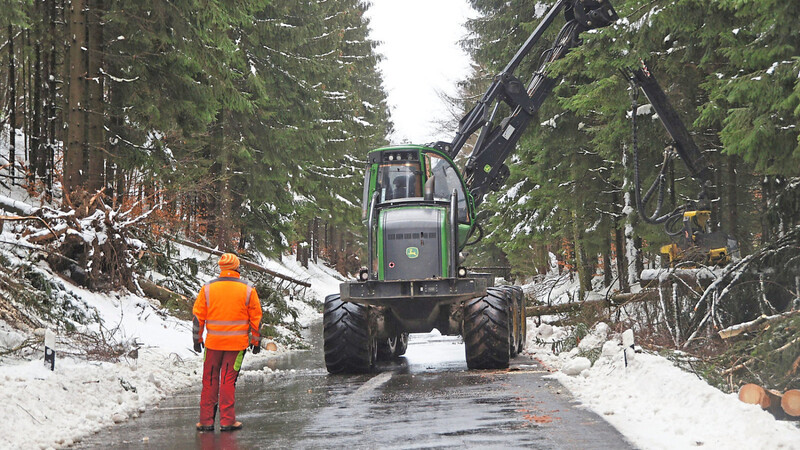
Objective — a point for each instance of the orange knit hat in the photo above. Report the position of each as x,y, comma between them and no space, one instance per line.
228,261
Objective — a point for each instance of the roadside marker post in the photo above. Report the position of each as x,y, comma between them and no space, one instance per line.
50,349
627,346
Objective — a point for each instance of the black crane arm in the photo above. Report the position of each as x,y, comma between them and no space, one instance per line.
696,163
485,170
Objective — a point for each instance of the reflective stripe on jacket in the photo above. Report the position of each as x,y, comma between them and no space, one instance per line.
228,310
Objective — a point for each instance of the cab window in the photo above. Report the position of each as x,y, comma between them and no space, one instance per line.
399,180
447,180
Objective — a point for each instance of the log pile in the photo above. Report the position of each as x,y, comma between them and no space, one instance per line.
781,405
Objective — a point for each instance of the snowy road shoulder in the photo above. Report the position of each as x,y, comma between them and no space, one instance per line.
45,409
52,409
659,406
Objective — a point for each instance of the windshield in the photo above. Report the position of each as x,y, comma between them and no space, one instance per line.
399,180
447,180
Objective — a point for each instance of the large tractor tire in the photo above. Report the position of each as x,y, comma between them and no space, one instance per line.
514,325
349,344
486,330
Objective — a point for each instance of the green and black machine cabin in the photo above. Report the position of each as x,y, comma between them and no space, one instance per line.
419,215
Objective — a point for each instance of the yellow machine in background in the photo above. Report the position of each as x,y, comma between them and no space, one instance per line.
696,244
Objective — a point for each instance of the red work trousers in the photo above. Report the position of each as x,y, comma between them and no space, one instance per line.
220,370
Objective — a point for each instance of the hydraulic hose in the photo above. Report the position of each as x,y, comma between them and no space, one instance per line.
661,180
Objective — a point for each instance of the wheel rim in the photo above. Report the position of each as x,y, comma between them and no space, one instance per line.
392,344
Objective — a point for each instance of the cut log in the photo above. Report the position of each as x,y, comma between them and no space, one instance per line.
769,400
271,347
791,402
754,395
244,262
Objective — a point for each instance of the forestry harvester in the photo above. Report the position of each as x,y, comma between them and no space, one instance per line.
420,212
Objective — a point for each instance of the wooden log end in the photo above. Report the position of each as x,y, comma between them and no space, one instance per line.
791,402
754,395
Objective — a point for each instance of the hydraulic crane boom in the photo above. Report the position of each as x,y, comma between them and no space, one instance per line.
692,242
694,160
485,170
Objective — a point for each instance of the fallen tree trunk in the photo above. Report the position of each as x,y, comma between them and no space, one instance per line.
757,324
16,206
160,293
561,308
244,262
46,236
614,300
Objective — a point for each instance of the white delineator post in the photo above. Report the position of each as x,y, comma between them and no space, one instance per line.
50,349
627,345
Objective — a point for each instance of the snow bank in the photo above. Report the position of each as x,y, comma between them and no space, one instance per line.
44,409
655,404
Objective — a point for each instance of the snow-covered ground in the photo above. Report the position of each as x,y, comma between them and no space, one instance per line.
44,409
655,404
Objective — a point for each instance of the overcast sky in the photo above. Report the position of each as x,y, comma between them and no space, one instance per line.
419,43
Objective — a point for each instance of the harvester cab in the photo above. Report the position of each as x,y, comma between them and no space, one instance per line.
408,192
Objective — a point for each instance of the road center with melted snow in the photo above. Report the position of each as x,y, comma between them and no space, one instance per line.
426,399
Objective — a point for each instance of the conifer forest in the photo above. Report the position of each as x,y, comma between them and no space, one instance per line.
240,124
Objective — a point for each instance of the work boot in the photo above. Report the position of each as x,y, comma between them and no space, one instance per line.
201,427
235,426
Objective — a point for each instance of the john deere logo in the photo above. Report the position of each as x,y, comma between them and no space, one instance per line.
412,252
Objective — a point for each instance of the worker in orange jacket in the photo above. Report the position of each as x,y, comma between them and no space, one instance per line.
227,308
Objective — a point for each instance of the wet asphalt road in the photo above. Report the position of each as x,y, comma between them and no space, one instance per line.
427,399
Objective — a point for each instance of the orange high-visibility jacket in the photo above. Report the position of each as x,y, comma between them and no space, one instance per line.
229,311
